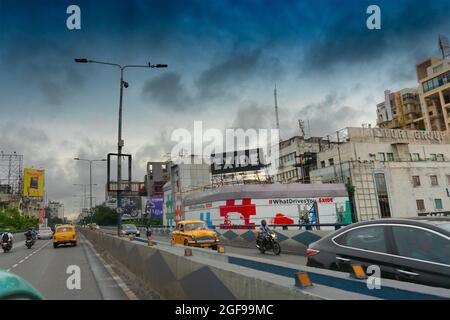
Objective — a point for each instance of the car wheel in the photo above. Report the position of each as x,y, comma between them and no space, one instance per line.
55,245
74,244
186,243
214,247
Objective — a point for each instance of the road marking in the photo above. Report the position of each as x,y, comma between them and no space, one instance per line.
113,274
28,256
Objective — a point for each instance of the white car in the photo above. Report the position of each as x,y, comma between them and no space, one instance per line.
45,233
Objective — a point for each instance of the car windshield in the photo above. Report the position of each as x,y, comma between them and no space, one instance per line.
64,229
195,226
129,227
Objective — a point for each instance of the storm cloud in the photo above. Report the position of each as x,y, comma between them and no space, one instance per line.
167,91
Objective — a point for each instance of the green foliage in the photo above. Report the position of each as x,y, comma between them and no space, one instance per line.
103,216
140,222
12,220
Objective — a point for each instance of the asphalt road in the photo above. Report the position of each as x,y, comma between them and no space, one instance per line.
46,269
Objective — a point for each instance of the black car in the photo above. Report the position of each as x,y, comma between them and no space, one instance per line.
130,229
414,250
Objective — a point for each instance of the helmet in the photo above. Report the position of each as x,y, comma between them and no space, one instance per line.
263,222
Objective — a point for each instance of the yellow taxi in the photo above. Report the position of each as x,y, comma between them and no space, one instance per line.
195,233
65,234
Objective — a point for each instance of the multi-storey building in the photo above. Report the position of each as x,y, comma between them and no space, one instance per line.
389,172
56,208
157,175
184,178
433,75
400,110
297,157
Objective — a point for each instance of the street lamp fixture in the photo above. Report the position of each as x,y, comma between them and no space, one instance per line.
120,142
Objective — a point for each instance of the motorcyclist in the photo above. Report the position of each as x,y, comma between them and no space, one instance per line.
30,234
263,232
7,237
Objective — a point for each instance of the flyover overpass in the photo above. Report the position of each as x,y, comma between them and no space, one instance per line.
208,274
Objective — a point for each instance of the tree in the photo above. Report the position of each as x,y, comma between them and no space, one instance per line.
103,216
12,220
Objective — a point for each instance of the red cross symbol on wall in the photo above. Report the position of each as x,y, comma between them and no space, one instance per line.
246,209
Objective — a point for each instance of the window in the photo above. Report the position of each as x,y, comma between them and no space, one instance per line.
436,81
434,180
322,164
421,244
331,161
440,157
415,157
433,157
420,205
438,204
383,198
448,179
390,156
381,156
367,238
416,181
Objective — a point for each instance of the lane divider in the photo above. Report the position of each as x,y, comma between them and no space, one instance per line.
28,256
130,294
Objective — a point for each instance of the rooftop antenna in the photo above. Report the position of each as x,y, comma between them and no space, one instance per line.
301,124
444,46
276,111
309,129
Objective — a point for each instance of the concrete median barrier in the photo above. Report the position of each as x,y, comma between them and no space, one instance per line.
291,241
175,276
208,274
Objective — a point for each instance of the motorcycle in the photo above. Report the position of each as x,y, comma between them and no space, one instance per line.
269,242
29,242
129,209
6,246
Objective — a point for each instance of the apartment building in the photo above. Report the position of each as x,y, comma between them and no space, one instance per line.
157,175
400,110
433,76
389,172
297,157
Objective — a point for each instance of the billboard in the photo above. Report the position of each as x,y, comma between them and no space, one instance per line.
247,213
131,207
33,182
237,161
154,207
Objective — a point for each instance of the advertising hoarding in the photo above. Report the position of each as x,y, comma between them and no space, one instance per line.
247,212
33,182
154,207
237,161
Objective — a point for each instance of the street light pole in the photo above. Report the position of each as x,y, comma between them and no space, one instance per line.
90,180
90,186
120,142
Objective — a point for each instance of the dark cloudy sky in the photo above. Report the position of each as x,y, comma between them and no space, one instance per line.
224,59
